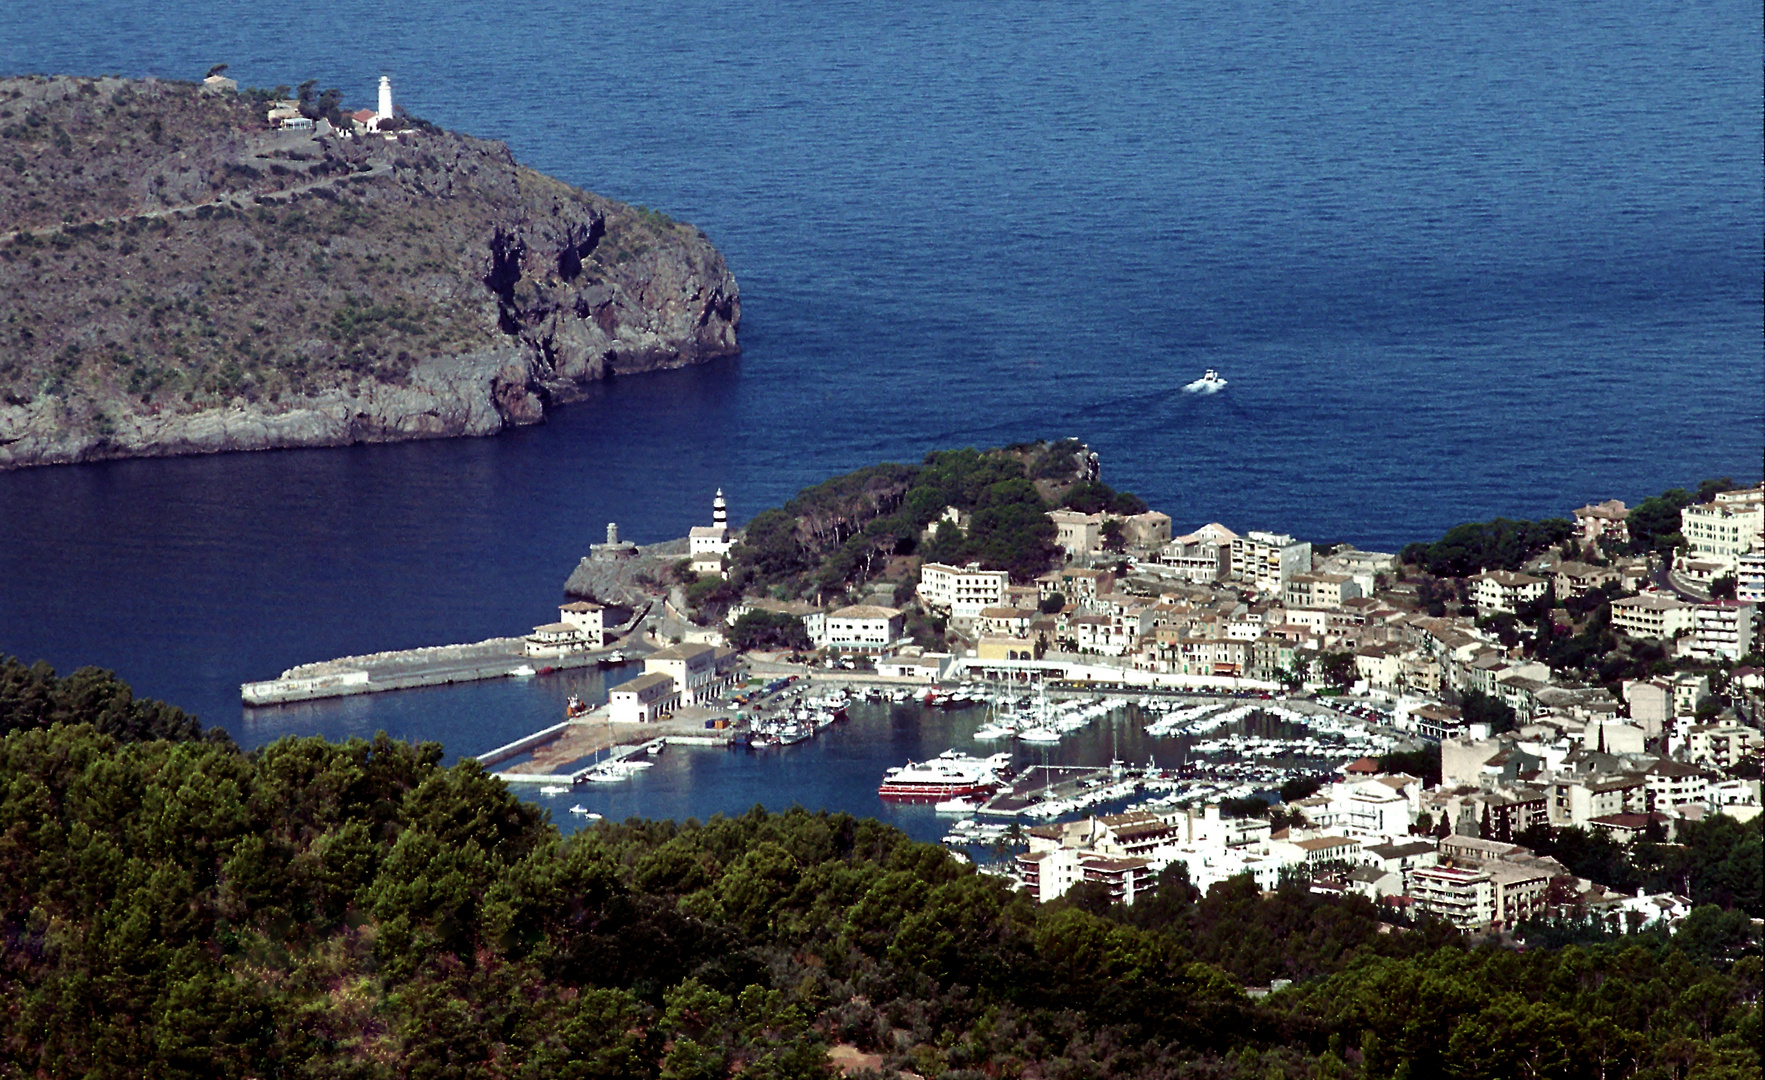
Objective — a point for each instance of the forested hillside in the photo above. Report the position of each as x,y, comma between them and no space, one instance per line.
174,907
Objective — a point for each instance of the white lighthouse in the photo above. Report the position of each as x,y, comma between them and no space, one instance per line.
384,112
708,544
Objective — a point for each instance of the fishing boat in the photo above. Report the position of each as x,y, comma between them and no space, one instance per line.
574,707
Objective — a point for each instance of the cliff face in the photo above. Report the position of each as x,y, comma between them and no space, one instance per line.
177,278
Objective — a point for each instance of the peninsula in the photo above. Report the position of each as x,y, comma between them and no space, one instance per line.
191,268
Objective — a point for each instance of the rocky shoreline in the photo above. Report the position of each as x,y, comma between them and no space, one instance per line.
236,287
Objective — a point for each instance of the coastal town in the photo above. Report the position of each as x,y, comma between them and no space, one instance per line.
1373,665
1182,628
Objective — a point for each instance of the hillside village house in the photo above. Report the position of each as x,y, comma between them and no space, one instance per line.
1503,590
1652,615
812,616
1605,521
1078,534
1320,590
1722,629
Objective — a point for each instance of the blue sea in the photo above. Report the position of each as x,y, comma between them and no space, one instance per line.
1455,260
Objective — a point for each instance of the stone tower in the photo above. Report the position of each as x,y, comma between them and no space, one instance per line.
612,533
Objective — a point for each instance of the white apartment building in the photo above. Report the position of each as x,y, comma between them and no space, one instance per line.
1722,629
1504,590
864,628
1320,590
1724,528
1749,577
1720,745
1465,898
1264,560
962,592
1652,615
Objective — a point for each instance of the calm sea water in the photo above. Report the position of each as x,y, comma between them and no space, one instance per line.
1456,260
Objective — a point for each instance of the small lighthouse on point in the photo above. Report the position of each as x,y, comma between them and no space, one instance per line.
384,112
719,511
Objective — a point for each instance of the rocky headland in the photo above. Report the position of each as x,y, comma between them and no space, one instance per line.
178,277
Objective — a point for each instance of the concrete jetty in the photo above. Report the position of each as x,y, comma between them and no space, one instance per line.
495,658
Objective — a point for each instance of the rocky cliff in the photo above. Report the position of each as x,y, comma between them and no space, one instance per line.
176,277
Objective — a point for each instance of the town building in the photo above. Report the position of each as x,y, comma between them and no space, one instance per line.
864,628
643,700
1264,561
1721,630
702,672
1079,535
961,592
1603,522
1202,557
1503,590
1320,590
1721,530
1652,615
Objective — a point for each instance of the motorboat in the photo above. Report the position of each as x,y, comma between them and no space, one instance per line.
1209,383
553,789
958,805
525,671
582,811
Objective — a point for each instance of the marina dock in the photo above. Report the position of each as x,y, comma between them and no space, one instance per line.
565,753
1040,783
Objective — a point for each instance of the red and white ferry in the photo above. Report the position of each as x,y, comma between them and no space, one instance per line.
950,775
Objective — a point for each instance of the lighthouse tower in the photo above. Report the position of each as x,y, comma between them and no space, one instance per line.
708,544
384,112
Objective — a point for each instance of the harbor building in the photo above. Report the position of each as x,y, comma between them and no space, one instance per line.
700,671
643,700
